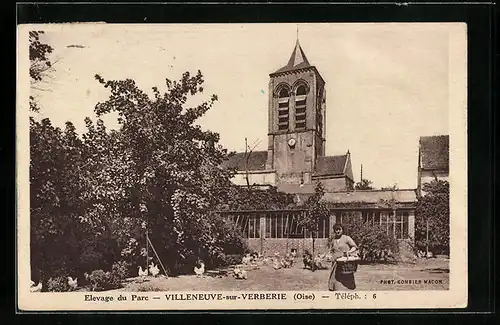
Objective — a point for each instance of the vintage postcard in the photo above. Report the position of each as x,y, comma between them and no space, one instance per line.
241,166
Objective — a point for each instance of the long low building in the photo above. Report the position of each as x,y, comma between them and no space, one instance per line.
271,231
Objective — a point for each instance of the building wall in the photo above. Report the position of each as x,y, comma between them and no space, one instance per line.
260,178
290,163
427,176
333,184
270,246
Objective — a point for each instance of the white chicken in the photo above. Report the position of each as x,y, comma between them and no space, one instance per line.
199,268
276,264
154,270
247,259
73,283
142,273
36,288
240,274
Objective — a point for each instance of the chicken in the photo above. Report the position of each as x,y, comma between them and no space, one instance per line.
240,274
308,260
276,264
318,262
199,268
247,259
285,262
73,283
36,288
154,270
142,273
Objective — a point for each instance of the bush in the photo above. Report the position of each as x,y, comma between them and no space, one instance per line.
58,284
121,269
230,259
148,287
433,212
374,244
101,281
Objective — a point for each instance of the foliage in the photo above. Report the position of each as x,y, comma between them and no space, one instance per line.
241,198
148,287
433,209
39,62
364,184
373,241
101,281
121,269
316,210
230,259
94,196
54,195
38,54
58,284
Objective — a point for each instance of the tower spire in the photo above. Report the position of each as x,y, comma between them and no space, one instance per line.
297,33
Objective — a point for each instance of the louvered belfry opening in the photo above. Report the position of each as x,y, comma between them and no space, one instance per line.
300,107
283,109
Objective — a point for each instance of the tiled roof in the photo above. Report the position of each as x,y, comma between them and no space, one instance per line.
257,161
330,165
401,196
298,60
434,152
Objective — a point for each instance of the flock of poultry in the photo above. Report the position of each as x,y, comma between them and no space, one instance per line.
153,270
314,263
72,283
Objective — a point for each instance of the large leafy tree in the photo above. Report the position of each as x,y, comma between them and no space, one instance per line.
55,157
40,63
432,217
172,166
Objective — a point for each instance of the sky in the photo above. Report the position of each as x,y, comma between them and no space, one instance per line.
386,84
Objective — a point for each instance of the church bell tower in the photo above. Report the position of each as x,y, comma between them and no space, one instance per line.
296,132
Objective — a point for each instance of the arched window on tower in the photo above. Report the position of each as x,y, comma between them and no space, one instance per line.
300,107
283,111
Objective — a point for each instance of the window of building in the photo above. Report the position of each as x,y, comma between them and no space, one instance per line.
341,217
283,109
249,226
300,107
395,225
371,217
287,226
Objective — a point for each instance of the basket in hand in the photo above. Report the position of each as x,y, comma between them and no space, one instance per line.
347,265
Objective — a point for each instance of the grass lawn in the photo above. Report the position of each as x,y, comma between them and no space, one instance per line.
368,277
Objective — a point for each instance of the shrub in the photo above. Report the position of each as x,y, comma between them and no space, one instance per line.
432,218
58,284
374,243
148,287
101,281
121,269
230,259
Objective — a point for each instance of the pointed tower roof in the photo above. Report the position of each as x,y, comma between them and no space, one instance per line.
298,60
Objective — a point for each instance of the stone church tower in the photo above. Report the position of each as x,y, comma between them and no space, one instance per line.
296,133
295,158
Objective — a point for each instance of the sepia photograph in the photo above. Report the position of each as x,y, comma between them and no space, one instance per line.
221,166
